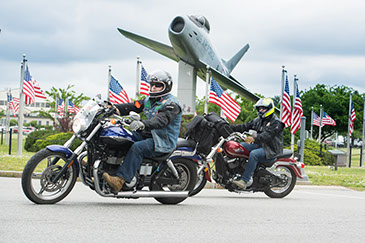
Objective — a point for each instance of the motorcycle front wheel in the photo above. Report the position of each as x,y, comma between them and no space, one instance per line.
38,174
186,170
288,178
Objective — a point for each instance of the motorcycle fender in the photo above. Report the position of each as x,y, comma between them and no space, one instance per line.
292,165
207,174
64,150
185,152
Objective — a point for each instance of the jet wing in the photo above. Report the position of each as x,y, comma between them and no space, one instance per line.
230,83
163,49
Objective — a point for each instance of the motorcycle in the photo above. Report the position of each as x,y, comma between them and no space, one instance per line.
50,175
226,162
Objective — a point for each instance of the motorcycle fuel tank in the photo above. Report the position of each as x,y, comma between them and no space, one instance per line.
234,149
116,135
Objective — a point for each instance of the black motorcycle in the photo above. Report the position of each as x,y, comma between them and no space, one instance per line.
51,173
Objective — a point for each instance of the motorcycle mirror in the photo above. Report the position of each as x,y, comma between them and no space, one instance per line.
97,99
134,116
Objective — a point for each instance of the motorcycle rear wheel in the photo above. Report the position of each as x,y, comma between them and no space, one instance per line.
187,174
290,179
38,173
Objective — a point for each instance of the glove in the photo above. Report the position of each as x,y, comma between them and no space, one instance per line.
249,140
136,125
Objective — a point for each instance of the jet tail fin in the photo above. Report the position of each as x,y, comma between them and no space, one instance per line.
231,64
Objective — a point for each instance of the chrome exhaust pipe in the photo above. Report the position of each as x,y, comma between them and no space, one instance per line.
134,194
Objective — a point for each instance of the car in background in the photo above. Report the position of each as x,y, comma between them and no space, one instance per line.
26,130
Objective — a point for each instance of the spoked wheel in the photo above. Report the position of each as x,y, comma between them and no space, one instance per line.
186,182
38,174
201,181
288,182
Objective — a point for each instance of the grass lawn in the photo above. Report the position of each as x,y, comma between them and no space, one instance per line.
348,177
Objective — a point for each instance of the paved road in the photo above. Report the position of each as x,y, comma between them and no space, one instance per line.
309,213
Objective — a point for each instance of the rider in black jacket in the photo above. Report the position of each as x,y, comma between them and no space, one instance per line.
266,144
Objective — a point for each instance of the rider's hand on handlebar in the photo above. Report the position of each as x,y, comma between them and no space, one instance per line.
136,125
113,108
249,140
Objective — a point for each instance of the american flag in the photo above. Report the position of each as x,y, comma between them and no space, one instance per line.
38,91
352,118
219,97
286,116
117,93
144,87
28,88
297,113
316,120
72,108
14,103
327,120
61,106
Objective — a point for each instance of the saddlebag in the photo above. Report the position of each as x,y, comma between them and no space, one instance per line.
205,130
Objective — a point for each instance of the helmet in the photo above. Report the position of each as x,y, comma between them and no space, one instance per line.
266,103
160,77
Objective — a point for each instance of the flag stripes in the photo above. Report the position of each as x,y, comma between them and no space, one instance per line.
219,97
286,116
117,93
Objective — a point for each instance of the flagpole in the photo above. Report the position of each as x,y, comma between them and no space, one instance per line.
138,77
109,78
312,124
320,123
7,122
292,116
363,136
348,134
56,111
282,91
19,150
207,79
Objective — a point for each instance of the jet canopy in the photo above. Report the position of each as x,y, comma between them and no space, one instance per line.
200,21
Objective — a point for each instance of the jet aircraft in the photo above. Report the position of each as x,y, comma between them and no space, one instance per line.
191,44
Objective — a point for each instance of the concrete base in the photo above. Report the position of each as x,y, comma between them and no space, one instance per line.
186,89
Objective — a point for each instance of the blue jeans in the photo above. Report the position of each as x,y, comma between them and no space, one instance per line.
133,160
257,154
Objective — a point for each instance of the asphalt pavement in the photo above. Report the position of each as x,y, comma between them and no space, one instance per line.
308,214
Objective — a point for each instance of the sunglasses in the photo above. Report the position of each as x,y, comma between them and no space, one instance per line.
157,85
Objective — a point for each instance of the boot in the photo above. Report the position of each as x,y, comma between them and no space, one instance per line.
240,183
115,182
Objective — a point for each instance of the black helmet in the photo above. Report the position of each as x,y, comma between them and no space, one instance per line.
161,78
266,103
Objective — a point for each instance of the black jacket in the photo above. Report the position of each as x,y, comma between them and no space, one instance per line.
269,134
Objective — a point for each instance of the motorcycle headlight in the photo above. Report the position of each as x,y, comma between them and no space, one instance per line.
77,125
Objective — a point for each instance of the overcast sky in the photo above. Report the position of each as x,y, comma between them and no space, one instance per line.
73,42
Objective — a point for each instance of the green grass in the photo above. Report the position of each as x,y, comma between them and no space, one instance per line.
13,162
348,177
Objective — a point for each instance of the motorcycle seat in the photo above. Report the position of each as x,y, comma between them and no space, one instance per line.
287,153
159,159
181,142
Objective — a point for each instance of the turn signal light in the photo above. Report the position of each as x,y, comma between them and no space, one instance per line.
219,150
113,121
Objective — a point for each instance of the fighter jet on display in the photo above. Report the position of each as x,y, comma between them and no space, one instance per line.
190,44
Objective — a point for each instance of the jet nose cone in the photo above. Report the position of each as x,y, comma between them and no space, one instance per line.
177,25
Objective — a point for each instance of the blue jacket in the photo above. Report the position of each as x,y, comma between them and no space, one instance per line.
164,118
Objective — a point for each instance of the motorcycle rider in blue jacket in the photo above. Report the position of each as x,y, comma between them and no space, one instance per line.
157,135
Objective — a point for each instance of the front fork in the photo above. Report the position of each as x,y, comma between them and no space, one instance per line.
74,155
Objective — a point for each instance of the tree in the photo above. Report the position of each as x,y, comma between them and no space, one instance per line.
335,102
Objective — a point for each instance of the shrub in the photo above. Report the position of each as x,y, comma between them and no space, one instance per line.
314,156
59,138
34,136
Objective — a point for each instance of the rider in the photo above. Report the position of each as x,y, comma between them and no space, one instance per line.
266,144
157,135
